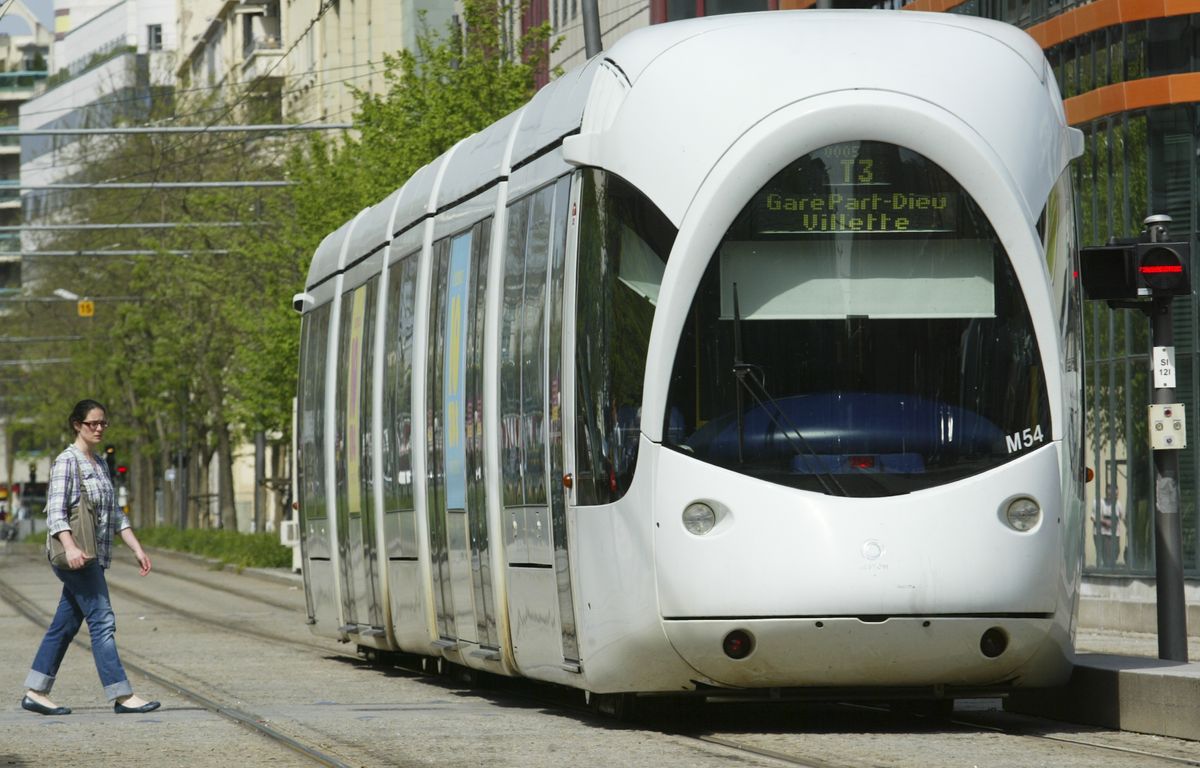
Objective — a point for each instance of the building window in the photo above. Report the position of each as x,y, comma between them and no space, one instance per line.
154,37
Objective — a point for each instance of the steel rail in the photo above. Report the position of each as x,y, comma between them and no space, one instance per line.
248,720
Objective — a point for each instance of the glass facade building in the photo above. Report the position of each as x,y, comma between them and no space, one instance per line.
1130,80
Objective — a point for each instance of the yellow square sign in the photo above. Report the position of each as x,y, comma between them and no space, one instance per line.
86,308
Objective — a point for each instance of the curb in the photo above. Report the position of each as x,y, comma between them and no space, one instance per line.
275,575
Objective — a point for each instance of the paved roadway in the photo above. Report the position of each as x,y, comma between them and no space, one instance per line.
245,653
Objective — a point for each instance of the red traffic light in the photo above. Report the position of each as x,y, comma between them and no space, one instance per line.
1162,268
122,469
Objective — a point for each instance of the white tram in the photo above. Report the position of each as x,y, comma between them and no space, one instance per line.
744,356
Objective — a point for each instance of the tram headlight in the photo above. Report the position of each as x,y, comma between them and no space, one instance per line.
1023,514
699,518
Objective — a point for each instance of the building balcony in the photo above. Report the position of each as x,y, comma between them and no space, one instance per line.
263,45
261,33
10,143
10,193
20,86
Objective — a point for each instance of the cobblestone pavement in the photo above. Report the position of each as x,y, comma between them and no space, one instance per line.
317,692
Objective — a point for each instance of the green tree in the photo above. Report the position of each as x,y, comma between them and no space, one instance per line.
201,351
455,83
168,342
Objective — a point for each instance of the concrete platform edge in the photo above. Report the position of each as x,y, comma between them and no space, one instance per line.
1161,698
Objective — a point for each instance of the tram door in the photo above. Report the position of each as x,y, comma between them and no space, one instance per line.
531,419
356,532
459,543
310,471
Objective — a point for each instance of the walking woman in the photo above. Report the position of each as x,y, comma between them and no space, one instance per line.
84,592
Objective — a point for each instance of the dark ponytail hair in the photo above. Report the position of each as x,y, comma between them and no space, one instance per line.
80,412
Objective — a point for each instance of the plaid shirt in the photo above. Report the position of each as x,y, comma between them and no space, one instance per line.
64,493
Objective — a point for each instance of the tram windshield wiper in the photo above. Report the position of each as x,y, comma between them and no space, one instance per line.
749,377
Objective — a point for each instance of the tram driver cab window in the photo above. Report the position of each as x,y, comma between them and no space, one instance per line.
624,241
859,331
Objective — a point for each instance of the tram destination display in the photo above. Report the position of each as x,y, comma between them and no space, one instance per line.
837,192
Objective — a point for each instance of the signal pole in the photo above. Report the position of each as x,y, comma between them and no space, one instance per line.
1167,432
1146,274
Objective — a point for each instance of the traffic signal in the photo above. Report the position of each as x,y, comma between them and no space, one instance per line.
110,458
1104,272
1162,269
122,473
1147,267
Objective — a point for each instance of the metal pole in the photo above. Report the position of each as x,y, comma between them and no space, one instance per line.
1168,530
181,461
591,28
260,477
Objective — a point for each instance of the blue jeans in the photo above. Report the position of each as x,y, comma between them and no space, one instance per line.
84,596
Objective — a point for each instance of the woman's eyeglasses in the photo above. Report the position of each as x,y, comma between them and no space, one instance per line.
95,424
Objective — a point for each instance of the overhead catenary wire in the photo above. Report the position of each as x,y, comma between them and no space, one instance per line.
237,145
110,102
142,252
152,185
131,225
116,131
229,108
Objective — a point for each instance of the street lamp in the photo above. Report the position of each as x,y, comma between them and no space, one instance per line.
83,305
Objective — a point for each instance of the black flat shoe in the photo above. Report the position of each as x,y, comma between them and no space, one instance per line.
121,709
42,709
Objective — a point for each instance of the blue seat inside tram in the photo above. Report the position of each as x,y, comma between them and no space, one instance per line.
848,433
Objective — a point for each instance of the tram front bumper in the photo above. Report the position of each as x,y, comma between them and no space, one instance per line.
875,652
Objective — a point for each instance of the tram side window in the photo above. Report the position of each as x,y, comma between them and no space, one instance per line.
474,425
434,423
397,393
354,333
624,241
311,459
510,353
366,411
1058,233
523,350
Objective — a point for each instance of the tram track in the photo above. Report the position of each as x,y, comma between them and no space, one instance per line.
787,733
249,720
725,742
804,759
243,594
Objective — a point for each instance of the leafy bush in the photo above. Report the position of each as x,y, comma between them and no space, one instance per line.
245,550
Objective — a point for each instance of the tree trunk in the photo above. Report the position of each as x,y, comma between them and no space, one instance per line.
197,471
225,477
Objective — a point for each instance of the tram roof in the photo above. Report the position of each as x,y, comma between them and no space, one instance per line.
696,87
666,101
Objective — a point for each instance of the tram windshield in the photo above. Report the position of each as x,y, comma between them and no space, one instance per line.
859,331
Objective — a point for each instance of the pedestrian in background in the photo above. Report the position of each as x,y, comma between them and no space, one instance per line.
1108,528
84,591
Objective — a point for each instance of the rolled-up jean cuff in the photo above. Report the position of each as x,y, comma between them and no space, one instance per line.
36,681
117,690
